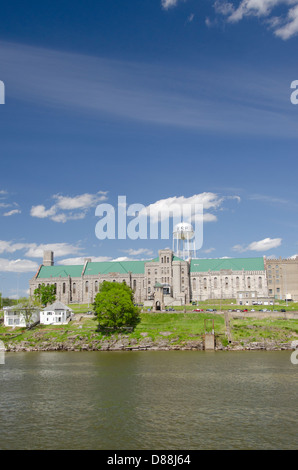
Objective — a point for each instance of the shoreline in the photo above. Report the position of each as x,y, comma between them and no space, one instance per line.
164,346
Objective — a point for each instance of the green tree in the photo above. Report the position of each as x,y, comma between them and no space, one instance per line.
27,308
114,307
45,294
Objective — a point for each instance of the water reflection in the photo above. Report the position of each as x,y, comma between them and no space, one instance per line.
148,400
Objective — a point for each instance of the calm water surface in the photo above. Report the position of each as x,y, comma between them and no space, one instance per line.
176,400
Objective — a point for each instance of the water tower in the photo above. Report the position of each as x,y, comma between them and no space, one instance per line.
184,241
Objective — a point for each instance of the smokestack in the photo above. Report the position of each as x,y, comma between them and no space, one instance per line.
48,258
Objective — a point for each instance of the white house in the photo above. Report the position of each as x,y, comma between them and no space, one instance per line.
15,316
56,314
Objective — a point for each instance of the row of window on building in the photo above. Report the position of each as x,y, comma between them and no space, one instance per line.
166,280
87,286
227,282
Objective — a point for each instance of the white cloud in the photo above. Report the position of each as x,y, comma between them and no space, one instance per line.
261,245
166,4
83,201
208,250
284,26
41,212
200,206
12,212
56,212
81,260
207,217
225,8
34,250
290,27
17,265
139,251
177,204
10,247
59,249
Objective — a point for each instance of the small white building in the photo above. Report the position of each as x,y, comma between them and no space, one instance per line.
15,316
56,314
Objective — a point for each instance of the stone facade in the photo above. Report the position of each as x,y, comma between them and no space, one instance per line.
282,275
182,281
226,284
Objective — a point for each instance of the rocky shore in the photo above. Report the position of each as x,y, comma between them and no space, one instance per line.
124,343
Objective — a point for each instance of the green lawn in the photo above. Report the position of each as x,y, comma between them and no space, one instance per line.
252,329
175,327
182,326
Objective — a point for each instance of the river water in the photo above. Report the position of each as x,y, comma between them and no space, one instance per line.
159,400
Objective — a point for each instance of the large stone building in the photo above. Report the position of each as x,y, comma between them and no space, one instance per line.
179,281
282,275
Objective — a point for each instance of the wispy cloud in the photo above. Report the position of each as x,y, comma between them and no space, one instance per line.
166,4
261,245
154,94
12,212
138,252
35,250
208,250
68,208
5,203
284,25
268,199
190,18
17,265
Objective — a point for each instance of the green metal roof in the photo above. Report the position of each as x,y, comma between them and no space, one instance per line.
138,267
57,271
121,267
234,264
103,267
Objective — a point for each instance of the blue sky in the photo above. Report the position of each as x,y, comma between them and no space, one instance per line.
159,101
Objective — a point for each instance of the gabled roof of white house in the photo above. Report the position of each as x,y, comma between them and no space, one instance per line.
56,306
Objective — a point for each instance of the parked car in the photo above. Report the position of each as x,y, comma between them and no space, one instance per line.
198,310
245,310
283,310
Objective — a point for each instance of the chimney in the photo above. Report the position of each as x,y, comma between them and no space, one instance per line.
48,258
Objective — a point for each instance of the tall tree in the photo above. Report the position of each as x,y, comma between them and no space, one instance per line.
45,294
114,306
